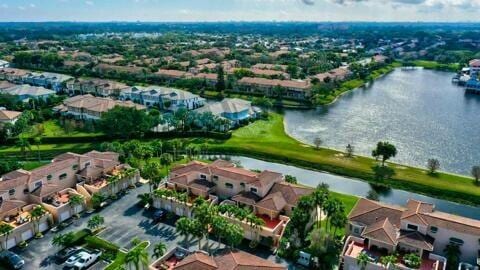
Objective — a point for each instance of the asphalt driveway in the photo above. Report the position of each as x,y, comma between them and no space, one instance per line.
124,220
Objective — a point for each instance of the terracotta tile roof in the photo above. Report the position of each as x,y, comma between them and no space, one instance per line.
9,205
334,74
416,239
246,197
269,66
267,177
240,260
197,261
291,193
474,63
8,115
5,85
98,104
51,168
302,85
45,190
368,212
382,230
273,201
414,208
193,165
171,73
14,179
452,222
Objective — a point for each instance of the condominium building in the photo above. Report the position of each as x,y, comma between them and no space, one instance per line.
54,81
233,109
288,88
94,86
265,193
26,92
88,107
379,229
162,97
53,185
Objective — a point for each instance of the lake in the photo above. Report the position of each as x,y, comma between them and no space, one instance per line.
419,111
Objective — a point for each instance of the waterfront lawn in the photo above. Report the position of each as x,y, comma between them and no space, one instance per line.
435,65
46,150
266,139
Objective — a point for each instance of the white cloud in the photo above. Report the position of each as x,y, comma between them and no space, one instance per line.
4,6
32,5
90,3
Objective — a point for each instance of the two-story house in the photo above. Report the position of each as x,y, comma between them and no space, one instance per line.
233,109
13,75
27,92
9,117
162,97
54,81
418,228
88,107
94,86
287,88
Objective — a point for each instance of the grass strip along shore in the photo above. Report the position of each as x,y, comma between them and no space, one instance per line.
267,140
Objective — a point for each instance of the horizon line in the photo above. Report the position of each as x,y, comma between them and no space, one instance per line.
244,21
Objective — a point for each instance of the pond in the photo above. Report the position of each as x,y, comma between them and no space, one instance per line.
356,187
419,111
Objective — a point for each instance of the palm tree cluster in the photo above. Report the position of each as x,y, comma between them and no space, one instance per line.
207,219
314,226
185,120
35,215
95,222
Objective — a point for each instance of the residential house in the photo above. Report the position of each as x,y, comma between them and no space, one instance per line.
380,229
265,193
172,75
270,66
88,107
289,88
13,75
336,74
26,92
233,109
94,86
53,185
6,84
162,97
474,65
54,81
225,259
270,73
8,117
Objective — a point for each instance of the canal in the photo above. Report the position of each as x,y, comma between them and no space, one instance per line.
355,187
420,111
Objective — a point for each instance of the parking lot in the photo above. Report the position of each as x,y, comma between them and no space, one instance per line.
124,220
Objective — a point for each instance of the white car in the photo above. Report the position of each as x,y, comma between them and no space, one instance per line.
86,259
74,258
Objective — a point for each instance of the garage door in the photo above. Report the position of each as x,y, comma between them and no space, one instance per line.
11,243
43,226
27,235
179,212
64,216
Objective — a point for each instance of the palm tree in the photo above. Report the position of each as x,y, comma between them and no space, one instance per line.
219,225
362,260
183,227
35,216
95,222
151,170
157,145
320,197
6,229
254,222
387,260
159,250
24,145
138,257
75,200
234,234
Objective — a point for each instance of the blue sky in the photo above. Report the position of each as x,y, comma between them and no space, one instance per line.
239,10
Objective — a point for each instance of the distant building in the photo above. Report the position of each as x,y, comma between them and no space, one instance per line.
13,75
233,109
162,97
8,117
474,66
336,74
26,92
88,107
94,86
54,81
292,89
4,64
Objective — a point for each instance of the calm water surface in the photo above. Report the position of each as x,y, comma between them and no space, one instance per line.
419,111
356,187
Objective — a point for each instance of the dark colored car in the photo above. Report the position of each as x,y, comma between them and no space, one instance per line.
159,215
11,260
64,254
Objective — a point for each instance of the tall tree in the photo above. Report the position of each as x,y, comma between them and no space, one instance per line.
138,257
476,173
220,86
385,150
24,144
125,122
159,250
35,215
5,230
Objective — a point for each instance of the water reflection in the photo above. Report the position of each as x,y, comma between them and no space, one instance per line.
419,111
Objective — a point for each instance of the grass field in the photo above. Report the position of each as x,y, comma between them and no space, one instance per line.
268,140
52,128
435,65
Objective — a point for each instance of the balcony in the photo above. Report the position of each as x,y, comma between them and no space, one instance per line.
170,259
354,246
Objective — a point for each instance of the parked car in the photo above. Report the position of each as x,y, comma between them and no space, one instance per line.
159,215
180,254
87,259
74,258
11,260
66,253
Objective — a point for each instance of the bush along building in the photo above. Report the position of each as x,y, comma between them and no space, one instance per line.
33,201
265,193
422,237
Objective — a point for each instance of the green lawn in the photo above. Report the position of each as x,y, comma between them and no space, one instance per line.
52,128
30,165
435,65
120,259
267,139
